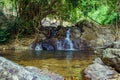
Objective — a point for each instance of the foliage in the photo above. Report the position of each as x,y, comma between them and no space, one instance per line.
31,12
87,6
102,15
4,35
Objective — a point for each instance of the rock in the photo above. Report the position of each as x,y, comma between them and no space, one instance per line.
117,44
104,39
47,45
50,22
77,43
99,71
111,53
111,57
12,71
41,37
98,36
18,46
44,72
59,38
87,77
98,60
76,33
88,34
6,47
53,32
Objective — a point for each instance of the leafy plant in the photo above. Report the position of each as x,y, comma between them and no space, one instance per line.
4,35
102,15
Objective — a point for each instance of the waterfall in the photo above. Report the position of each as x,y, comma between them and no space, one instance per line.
66,44
59,45
38,47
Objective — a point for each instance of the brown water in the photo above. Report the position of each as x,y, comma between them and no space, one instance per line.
69,64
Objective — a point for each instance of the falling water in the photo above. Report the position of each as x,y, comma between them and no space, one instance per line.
59,45
66,44
38,47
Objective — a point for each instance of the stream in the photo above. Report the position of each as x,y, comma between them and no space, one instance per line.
69,64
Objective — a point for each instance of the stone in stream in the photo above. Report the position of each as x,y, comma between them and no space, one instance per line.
117,44
44,72
12,71
99,71
111,57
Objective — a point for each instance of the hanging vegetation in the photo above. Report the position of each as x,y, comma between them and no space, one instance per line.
28,14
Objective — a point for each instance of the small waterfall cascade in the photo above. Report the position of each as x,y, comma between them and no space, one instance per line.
59,45
66,44
38,47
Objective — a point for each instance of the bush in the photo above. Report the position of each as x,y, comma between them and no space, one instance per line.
4,33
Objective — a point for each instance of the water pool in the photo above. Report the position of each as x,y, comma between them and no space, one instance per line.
69,64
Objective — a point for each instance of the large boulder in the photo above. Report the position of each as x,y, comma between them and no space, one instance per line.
99,71
46,22
76,33
98,36
111,57
104,38
65,38
12,71
52,75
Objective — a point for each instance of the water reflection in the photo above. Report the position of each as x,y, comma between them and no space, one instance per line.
66,63
37,53
32,54
69,55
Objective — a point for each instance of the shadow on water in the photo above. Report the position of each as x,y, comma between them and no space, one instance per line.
32,55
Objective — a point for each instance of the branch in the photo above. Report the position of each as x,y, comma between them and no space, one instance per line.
49,10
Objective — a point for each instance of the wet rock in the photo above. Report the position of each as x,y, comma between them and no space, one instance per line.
54,42
98,71
62,38
47,45
13,71
111,57
53,32
77,43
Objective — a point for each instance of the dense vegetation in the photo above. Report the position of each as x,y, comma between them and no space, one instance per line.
26,15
